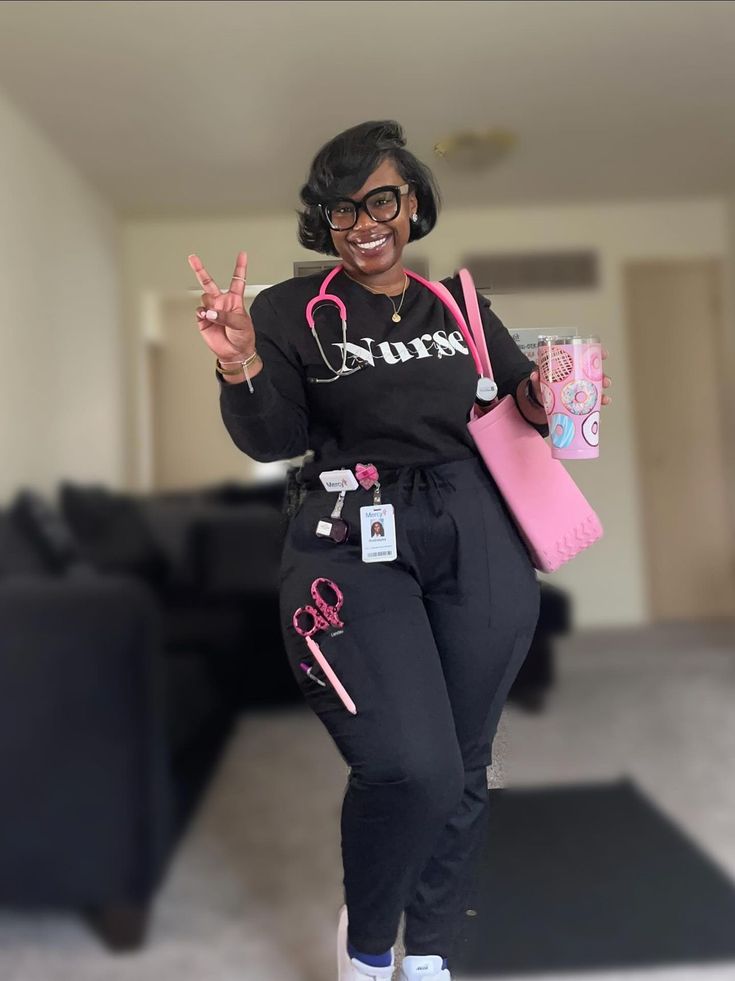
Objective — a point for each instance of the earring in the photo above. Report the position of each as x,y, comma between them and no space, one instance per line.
414,217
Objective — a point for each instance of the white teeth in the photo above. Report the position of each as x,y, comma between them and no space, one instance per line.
375,244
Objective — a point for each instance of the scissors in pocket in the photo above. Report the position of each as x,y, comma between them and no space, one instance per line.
323,616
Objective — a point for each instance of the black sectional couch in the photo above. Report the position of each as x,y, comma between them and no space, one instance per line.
133,630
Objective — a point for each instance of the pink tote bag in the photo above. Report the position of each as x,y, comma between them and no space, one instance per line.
553,517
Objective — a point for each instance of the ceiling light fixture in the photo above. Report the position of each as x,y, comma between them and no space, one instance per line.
476,149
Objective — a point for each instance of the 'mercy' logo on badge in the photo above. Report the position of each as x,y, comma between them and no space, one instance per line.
440,344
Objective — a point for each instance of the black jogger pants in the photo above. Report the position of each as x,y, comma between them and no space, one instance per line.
431,645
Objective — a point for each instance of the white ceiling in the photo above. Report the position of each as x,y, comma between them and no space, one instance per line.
203,107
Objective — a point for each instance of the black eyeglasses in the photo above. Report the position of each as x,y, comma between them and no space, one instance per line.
381,204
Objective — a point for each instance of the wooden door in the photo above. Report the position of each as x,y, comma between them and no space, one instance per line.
676,348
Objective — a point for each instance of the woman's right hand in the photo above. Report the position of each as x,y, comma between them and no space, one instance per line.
223,322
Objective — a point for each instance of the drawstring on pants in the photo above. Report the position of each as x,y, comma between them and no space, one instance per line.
413,479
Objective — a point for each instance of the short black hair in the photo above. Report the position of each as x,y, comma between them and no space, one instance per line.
345,163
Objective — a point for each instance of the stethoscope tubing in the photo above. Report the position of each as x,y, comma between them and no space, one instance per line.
438,289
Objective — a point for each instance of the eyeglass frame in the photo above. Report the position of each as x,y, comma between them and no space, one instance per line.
399,191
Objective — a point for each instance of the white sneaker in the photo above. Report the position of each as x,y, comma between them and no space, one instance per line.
414,967
349,968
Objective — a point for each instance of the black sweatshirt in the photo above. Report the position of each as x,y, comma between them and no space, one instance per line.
408,405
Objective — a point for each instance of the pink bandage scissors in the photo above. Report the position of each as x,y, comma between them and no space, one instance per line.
323,616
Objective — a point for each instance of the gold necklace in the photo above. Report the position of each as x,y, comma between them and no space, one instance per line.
396,318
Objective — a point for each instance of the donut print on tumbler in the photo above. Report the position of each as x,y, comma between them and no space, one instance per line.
579,397
547,393
561,430
591,428
570,368
592,364
556,364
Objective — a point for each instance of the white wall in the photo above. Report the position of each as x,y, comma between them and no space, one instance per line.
61,388
607,582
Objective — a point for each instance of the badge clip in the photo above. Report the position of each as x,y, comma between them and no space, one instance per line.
335,527
338,480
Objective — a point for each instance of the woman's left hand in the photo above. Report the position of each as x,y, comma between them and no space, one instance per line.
606,383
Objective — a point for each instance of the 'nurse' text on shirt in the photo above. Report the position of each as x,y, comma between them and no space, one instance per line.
440,344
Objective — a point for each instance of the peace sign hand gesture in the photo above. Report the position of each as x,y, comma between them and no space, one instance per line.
223,322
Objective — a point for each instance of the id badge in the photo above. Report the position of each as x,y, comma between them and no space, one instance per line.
378,528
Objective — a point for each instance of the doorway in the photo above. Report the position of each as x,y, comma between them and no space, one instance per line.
187,444
675,326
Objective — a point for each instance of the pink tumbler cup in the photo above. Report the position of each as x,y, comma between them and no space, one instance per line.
570,370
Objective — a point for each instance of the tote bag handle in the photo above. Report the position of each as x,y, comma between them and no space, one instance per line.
480,356
473,311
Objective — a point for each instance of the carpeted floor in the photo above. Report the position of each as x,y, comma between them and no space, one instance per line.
253,892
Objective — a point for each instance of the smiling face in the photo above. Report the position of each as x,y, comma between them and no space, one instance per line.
371,251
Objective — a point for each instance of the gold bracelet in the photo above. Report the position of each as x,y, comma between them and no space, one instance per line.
242,365
247,361
250,358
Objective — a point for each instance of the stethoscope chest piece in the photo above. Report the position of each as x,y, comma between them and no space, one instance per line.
487,390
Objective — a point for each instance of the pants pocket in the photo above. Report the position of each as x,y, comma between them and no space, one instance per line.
346,652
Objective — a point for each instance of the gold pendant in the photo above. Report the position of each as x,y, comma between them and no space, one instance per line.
396,318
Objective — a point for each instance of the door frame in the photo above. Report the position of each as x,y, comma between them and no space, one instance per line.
151,343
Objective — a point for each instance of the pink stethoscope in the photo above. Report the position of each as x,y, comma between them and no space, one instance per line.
438,289
324,297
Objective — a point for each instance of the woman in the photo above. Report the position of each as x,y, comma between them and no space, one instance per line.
433,638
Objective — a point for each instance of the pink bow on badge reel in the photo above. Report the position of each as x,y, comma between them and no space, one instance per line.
367,474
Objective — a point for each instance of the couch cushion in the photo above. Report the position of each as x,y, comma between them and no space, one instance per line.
18,554
47,530
112,532
170,520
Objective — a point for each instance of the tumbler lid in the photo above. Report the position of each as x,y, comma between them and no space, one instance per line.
568,339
